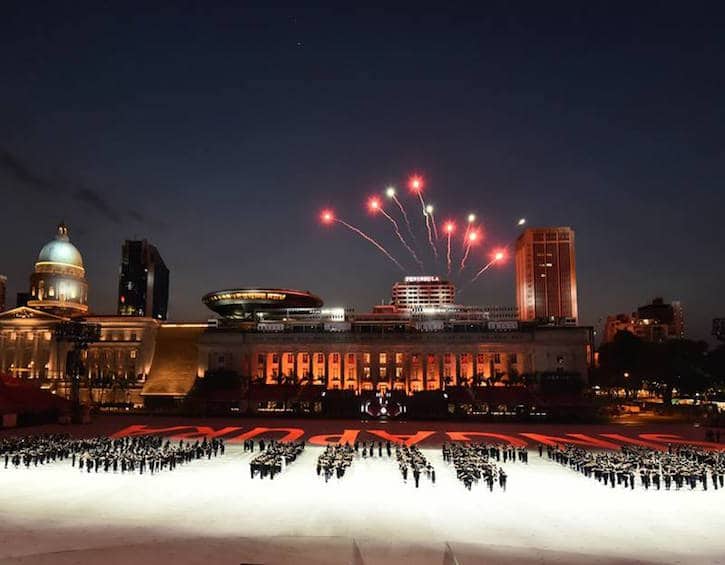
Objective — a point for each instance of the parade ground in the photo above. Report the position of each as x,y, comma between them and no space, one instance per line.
212,511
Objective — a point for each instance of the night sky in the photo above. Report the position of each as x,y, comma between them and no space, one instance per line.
220,130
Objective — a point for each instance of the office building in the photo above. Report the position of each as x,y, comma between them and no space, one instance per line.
143,286
546,288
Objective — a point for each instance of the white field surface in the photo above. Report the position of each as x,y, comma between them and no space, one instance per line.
210,511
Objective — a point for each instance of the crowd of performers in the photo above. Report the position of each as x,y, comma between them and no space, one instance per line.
335,460
129,454
478,462
412,458
679,467
274,457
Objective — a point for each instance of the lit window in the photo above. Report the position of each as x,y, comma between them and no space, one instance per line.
133,354
51,291
399,358
383,358
366,357
335,357
320,358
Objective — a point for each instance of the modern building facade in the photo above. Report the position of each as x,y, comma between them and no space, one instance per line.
546,287
58,283
143,284
419,292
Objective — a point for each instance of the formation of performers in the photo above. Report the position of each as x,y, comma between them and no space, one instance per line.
335,460
474,462
678,467
411,457
130,454
274,457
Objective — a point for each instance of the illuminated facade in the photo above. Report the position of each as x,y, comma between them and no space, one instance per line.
58,283
546,276
419,292
29,350
394,355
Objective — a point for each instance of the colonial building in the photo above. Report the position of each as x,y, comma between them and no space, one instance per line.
29,344
395,357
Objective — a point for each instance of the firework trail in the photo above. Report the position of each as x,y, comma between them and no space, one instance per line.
472,237
463,259
498,256
485,268
433,222
448,254
405,215
371,240
471,218
396,227
427,225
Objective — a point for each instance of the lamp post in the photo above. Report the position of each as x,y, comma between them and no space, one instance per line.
79,335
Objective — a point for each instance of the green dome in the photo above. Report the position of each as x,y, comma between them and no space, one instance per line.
61,250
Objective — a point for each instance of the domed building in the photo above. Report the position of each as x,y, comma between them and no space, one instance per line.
58,283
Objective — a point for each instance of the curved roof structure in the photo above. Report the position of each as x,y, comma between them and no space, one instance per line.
60,250
244,302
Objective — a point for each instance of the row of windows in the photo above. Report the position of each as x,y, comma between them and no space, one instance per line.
383,358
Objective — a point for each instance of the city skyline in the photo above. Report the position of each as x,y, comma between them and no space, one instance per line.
559,117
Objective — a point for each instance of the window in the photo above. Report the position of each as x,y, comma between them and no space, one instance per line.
260,359
366,357
398,372
335,358
51,291
383,372
366,372
275,358
290,358
383,358
446,357
514,358
350,357
320,357
305,357
496,357
399,358
133,354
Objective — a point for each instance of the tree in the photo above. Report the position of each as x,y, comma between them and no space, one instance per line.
678,364
622,363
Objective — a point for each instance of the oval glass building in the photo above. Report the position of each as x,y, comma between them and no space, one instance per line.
254,302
